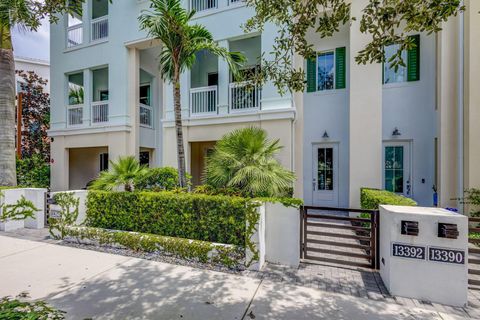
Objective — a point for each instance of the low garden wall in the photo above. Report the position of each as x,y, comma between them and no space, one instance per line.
10,196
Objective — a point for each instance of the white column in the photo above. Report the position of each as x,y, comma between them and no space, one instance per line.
133,98
88,96
365,155
223,81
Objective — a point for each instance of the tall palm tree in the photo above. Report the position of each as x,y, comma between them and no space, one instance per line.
170,23
122,173
26,14
245,159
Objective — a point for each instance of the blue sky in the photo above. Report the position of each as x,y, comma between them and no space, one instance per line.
32,44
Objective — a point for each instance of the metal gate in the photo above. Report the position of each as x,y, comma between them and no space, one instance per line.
331,235
474,253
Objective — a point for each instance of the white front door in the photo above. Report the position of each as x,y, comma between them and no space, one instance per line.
396,168
325,175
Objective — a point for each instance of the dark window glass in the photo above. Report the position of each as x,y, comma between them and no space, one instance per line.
325,169
326,71
394,169
145,158
103,161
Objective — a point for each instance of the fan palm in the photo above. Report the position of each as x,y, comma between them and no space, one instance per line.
170,23
121,174
245,159
26,14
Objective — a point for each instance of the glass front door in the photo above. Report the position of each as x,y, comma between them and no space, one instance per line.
325,172
396,170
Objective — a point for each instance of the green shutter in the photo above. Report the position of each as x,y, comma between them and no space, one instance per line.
413,60
340,68
311,75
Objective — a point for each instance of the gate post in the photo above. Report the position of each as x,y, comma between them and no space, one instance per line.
301,231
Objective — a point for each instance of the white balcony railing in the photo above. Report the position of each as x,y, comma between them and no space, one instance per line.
244,96
74,35
203,100
99,28
99,112
201,5
75,115
145,115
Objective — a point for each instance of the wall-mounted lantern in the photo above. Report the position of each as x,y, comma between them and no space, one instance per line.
396,132
325,135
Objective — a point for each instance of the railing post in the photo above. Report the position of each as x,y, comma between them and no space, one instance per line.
377,240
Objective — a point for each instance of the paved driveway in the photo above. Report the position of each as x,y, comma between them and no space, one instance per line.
89,284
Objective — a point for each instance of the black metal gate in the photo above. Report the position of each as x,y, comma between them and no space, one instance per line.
332,235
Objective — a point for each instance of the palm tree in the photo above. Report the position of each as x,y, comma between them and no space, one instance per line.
245,159
170,23
26,14
121,174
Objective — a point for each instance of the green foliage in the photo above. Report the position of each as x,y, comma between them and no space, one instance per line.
68,203
122,173
20,210
33,172
218,219
472,198
159,179
384,22
16,309
169,22
206,252
372,198
245,160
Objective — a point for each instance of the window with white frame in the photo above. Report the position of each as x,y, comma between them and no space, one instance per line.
390,75
326,71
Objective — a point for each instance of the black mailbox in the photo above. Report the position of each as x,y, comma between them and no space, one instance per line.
448,230
410,228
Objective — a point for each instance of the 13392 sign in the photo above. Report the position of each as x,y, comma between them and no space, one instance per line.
446,255
408,251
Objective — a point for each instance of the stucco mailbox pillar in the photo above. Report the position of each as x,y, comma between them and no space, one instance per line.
423,254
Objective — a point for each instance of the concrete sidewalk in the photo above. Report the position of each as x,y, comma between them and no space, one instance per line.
89,284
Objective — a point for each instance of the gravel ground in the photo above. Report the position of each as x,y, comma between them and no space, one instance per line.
154,256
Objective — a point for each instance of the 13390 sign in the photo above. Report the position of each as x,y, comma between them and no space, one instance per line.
408,251
446,255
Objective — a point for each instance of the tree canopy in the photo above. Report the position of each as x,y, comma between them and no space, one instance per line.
386,21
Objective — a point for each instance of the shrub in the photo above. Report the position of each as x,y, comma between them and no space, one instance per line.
158,179
372,198
202,251
33,172
16,309
122,173
218,219
245,159
67,216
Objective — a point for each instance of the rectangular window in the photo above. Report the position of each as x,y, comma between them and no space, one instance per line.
100,84
326,71
389,73
103,161
394,171
145,158
145,94
325,169
75,88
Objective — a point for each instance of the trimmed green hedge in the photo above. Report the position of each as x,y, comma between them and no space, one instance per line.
372,198
218,219
206,252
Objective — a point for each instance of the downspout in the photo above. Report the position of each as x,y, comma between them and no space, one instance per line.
460,114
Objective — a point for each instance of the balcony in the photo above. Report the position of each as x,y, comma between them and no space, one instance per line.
75,115
202,5
145,115
244,96
74,35
99,28
203,101
99,112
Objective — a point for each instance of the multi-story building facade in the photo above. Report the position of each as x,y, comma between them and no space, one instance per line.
409,131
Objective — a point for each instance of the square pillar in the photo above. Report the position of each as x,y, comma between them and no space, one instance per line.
223,81
365,156
133,97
